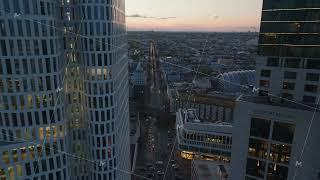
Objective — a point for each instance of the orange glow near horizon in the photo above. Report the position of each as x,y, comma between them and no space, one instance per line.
193,15
174,24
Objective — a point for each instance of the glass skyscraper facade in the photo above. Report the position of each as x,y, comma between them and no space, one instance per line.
282,120
63,90
289,49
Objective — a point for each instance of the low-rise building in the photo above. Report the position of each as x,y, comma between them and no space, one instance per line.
208,106
202,139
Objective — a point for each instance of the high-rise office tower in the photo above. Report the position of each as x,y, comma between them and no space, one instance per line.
32,118
288,65
276,133
63,90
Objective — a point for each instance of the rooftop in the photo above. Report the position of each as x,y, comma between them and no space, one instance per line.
190,121
215,98
210,170
280,102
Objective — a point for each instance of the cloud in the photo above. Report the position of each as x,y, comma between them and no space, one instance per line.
148,17
214,17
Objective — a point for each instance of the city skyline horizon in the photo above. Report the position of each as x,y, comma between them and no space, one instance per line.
209,15
187,31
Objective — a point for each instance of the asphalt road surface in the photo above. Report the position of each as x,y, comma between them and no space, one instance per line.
154,152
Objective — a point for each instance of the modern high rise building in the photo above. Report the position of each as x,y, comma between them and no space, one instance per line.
288,65
64,111
276,133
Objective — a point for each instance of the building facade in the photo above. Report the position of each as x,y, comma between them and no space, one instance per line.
201,139
277,132
288,63
208,107
63,90
236,82
138,80
268,141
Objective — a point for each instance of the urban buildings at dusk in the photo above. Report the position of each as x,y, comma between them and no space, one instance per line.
193,91
276,134
64,90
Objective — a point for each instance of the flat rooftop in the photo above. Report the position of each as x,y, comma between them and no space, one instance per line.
280,102
190,121
209,98
211,170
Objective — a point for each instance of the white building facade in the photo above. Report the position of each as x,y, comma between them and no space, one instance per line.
204,140
207,107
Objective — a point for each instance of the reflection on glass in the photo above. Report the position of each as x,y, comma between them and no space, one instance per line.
260,128
283,132
280,153
258,148
277,172
255,168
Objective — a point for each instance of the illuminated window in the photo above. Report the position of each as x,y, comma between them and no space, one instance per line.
41,133
280,153
23,153
19,170
47,132
15,155
255,168
11,173
29,101
31,152
258,148
39,149
2,174
5,157
277,172
61,131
